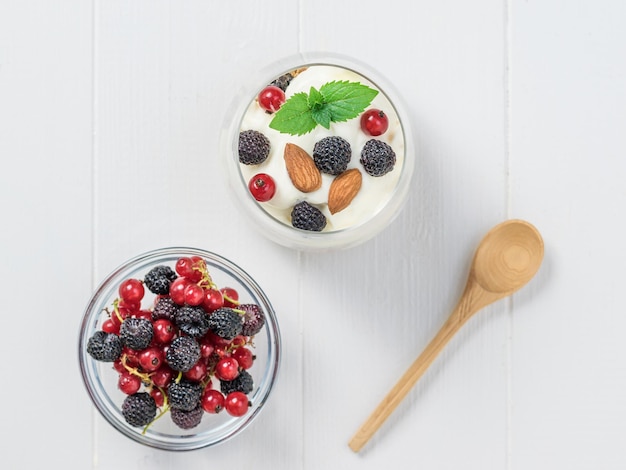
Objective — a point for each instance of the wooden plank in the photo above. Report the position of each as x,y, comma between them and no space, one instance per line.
165,77
371,310
567,165
45,240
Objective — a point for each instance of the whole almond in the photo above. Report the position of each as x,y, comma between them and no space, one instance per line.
343,189
301,168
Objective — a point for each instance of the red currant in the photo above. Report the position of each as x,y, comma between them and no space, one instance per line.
121,313
262,187
118,366
111,326
220,351
231,296
271,98
374,122
131,306
198,263
184,266
213,299
244,357
238,341
162,376
158,396
189,267
236,403
217,340
212,401
146,314
177,290
132,358
131,290
151,359
194,294
227,368
128,383
164,331
206,348
197,372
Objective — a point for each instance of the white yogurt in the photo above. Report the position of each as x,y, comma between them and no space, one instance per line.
375,191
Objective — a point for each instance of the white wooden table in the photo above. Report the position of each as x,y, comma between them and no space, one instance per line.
110,114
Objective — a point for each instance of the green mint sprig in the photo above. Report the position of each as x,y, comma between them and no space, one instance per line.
336,101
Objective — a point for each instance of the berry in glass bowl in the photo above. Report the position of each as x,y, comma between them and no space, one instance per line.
179,349
319,152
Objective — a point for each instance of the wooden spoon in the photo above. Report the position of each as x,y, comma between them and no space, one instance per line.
507,258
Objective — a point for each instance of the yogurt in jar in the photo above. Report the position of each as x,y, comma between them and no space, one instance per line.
374,192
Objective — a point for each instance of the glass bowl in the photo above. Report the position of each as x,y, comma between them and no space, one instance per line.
101,378
371,207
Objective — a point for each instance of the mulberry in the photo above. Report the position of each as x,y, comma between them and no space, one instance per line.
183,353
105,347
136,333
159,279
253,319
377,157
139,409
254,147
165,308
332,155
283,81
307,217
225,323
184,395
192,320
242,383
187,419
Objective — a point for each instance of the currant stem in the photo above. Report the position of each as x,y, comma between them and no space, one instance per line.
206,281
116,310
134,371
166,408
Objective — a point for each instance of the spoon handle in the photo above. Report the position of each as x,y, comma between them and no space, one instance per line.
472,300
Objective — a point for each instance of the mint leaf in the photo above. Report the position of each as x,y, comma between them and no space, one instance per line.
319,111
322,116
315,99
346,100
335,101
294,116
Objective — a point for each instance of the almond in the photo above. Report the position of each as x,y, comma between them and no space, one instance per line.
301,168
343,189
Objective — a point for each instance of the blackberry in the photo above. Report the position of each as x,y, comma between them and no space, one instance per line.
242,383
307,217
139,409
183,353
165,308
377,157
192,320
136,333
225,323
283,81
253,319
159,279
184,395
105,347
332,155
254,147
187,419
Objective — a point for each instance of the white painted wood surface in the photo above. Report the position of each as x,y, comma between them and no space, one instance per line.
110,113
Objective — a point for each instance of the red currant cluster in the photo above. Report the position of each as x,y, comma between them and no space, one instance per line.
220,359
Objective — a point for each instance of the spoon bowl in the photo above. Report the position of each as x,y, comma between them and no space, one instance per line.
506,259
